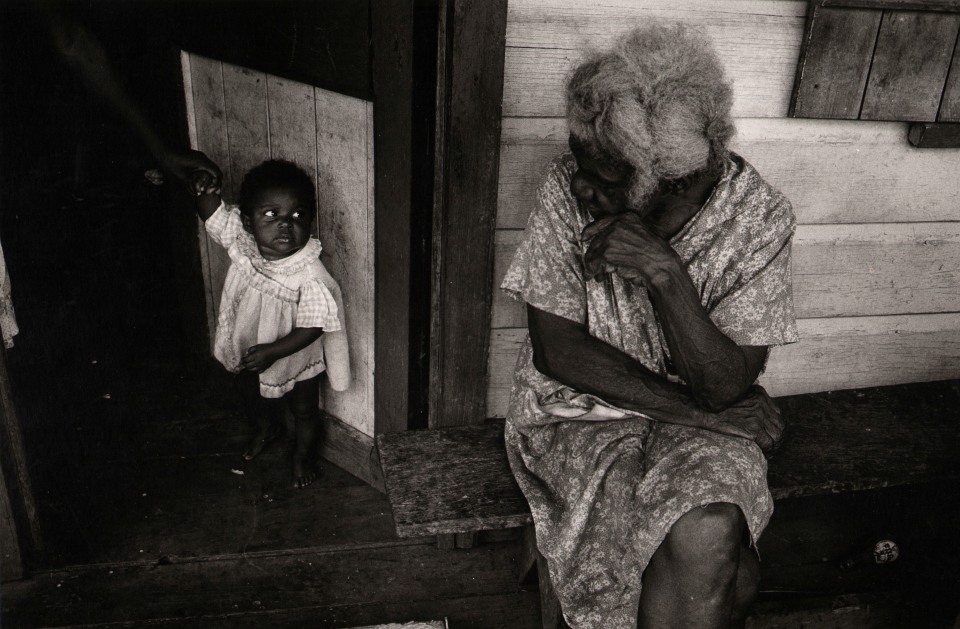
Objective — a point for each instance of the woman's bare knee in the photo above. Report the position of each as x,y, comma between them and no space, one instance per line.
707,540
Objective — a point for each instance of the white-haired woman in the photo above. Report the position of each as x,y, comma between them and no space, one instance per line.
656,272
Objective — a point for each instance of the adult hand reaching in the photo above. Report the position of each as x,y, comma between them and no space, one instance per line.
193,168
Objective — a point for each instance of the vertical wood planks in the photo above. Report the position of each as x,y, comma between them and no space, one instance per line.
248,130
910,66
210,124
834,63
241,118
248,144
950,105
292,122
345,220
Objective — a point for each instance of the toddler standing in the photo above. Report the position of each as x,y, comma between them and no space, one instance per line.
276,302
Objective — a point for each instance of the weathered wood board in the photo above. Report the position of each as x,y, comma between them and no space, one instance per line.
344,148
899,5
950,105
333,583
832,171
935,135
470,86
838,270
546,38
833,353
239,118
910,66
450,481
292,118
853,352
206,118
834,63
459,479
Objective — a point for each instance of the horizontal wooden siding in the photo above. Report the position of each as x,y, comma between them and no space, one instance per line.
877,250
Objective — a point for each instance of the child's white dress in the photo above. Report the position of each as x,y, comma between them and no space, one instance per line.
264,300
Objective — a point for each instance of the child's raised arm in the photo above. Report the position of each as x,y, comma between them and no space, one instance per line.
207,189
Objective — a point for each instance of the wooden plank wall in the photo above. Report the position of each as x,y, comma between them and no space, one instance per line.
876,255
241,117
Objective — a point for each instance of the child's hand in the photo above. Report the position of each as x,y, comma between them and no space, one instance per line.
259,358
203,182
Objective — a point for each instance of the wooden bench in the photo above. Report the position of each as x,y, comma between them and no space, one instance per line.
854,465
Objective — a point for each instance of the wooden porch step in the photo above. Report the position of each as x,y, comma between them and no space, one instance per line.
458,480
396,581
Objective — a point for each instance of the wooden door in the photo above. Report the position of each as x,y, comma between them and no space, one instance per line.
330,86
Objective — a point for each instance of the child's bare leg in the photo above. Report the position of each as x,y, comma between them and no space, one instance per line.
303,402
259,410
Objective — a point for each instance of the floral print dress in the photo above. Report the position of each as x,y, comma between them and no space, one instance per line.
606,484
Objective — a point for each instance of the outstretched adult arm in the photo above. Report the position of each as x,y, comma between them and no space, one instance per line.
85,55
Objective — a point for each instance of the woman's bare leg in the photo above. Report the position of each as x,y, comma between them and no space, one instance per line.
748,585
693,579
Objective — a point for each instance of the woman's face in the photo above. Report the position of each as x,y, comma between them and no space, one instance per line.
599,185
601,188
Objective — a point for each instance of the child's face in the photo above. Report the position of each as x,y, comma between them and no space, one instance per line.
279,223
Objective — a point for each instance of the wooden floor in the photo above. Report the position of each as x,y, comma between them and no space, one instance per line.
176,530
186,533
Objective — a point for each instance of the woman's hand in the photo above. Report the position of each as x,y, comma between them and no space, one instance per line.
194,168
624,244
755,417
259,358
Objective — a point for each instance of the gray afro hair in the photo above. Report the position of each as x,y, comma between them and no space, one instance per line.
658,101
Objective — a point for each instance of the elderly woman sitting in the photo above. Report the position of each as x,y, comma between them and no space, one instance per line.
656,272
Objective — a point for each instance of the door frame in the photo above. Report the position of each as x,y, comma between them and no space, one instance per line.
469,112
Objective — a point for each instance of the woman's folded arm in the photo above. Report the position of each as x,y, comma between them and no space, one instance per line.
565,351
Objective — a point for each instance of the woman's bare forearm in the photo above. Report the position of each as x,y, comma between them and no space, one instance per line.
566,352
718,371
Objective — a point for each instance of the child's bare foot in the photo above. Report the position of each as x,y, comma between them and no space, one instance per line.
264,438
304,472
